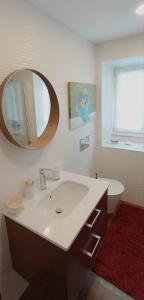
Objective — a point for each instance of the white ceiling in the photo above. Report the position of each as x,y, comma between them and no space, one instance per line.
96,20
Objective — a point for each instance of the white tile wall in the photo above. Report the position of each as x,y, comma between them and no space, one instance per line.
31,39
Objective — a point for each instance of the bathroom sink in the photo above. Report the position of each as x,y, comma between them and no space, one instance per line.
59,213
64,198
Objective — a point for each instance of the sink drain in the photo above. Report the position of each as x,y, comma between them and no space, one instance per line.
58,210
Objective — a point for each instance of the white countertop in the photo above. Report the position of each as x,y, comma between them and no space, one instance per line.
60,231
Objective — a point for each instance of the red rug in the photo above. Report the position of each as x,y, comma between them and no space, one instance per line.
120,258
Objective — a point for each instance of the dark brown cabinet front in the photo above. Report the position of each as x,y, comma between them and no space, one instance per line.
91,235
35,258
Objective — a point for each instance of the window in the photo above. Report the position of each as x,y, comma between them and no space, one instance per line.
122,105
128,119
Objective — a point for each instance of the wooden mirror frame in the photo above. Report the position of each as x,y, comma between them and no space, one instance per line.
52,124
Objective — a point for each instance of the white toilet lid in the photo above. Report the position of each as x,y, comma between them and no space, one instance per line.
115,188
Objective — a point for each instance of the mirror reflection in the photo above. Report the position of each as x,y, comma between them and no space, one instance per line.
26,106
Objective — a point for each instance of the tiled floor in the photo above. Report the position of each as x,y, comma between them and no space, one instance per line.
102,290
13,286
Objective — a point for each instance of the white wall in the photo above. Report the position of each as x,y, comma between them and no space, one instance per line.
123,165
31,39
107,97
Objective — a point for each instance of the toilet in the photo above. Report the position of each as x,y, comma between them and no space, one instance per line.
115,190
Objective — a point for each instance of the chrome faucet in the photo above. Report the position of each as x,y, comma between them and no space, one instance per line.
43,177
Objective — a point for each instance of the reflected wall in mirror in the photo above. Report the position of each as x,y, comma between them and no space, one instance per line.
29,109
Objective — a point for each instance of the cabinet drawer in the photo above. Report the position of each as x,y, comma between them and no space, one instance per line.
85,246
92,245
80,241
92,220
97,213
76,250
101,225
102,205
90,237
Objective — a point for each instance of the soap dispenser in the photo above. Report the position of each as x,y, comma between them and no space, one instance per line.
29,188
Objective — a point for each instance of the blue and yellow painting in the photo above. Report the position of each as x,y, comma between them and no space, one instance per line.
82,103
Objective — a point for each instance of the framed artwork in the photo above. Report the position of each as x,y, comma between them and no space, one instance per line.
82,103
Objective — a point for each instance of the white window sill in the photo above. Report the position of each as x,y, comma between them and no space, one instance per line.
125,146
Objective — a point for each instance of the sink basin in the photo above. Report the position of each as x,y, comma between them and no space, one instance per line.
58,214
64,199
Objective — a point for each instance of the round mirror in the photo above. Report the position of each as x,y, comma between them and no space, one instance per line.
29,109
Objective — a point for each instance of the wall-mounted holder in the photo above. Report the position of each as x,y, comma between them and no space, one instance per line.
84,143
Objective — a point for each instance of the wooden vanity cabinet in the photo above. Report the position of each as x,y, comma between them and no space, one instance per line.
38,260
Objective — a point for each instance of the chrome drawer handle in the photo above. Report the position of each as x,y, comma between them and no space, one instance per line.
88,253
90,225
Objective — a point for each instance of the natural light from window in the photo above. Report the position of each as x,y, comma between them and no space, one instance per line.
129,101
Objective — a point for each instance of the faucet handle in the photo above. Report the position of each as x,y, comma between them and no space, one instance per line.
41,170
46,172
